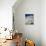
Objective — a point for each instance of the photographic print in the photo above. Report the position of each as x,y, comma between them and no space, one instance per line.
29,19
